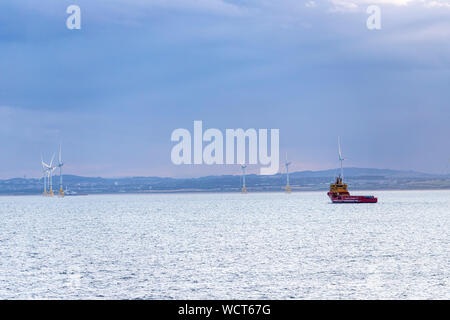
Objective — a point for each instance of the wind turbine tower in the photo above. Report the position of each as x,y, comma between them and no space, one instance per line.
44,178
288,187
50,171
244,190
60,165
44,174
341,159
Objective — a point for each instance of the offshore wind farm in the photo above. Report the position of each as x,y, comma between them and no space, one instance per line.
358,178
300,181
47,175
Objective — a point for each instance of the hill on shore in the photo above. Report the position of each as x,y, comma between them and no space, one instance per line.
357,178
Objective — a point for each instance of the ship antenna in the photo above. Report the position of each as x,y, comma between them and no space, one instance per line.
341,159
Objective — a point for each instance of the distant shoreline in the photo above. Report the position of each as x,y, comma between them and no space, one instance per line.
358,179
355,191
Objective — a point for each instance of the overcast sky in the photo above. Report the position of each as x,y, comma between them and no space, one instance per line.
114,91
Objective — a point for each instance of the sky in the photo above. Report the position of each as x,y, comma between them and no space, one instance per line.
113,92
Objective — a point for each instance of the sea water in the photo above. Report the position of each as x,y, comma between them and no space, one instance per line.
225,246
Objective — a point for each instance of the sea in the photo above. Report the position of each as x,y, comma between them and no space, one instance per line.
225,246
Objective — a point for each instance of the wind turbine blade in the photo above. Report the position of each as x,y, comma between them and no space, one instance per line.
60,157
42,161
51,162
44,165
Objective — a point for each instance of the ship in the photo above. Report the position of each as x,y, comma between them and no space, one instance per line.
71,193
339,190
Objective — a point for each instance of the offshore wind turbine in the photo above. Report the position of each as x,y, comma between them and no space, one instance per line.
60,165
287,163
341,159
244,190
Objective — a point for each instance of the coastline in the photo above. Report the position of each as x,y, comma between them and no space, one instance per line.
250,191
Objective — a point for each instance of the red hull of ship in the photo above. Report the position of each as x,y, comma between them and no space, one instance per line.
352,199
